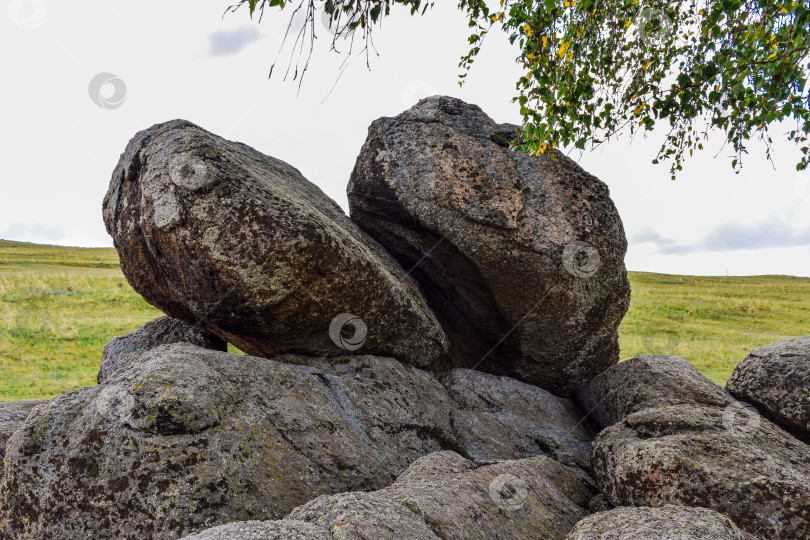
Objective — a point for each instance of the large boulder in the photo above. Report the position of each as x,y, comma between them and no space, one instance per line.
181,439
443,496
646,382
502,418
240,244
776,380
456,499
490,417
521,257
751,471
665,523
161,331
677,438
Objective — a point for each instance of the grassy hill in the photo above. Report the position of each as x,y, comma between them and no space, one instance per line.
59,306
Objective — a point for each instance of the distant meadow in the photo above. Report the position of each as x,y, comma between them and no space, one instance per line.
59,306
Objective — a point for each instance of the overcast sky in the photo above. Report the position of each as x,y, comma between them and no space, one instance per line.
81,78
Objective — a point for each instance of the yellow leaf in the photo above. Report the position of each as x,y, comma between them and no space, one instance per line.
646,65
532,56
528,29
627,24
563,48
640,108
542,148
545,41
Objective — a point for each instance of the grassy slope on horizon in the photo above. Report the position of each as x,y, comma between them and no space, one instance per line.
59,306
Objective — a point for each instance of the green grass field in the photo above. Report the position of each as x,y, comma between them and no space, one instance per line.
59,306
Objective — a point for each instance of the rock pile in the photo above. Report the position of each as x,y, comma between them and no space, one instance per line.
439,365
182,438
674,437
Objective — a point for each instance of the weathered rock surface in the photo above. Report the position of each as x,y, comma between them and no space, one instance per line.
776,380
677,438
161,331
12,416
751,471
181,439
264,530
522,258
502,418
665,523
646,382
219,235
445,496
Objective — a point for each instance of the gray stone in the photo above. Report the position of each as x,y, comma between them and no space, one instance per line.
647,382
161,331
665,523
521,257
12,416
264,530
502,418
776,380
181,439
222,236
674,437
748,469
445,496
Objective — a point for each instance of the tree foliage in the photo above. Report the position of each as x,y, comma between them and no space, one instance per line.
597,68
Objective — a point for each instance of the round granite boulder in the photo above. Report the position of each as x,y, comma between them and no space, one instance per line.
521,257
